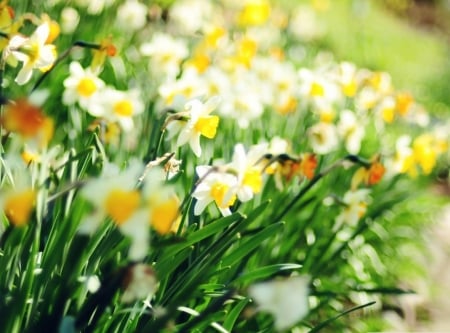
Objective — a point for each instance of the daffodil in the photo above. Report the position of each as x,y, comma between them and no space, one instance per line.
351,129
117,106
194,121
285,299
29,121
32,51
81,86
166,54
323,137
214,186
115,196
131,15
17,204
355,207
249,172
162,202
254,12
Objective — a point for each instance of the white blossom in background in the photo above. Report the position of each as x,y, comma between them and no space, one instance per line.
165,54
131,15
323,137
189,86
285,299
118,106
316,87
69,20
305,24
351,131
355,202
94,7
243,102
192,16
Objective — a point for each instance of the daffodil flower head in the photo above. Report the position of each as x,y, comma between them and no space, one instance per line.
254,12
214,186
17,195
162,201
323,137
32,51
355,206
18,205
29,121
113,195
248,169
285,299
104,50
195,121
81,86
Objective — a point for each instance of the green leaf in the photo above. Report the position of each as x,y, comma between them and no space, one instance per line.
330,320
234,314
248,246
209,230
265,272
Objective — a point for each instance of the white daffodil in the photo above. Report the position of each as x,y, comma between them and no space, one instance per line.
248,169
32,51
286,300
195,121
214,186
114,195
355,202
323,137
317,88
131,15
81,86
192,16
69,20
166,54
243,103
189,86
351,131
347,77
163,204
117,106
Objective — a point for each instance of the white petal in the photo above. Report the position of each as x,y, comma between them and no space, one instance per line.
41,33
200,206
24,75
195,145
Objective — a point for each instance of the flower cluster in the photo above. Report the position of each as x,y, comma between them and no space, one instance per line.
96,155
